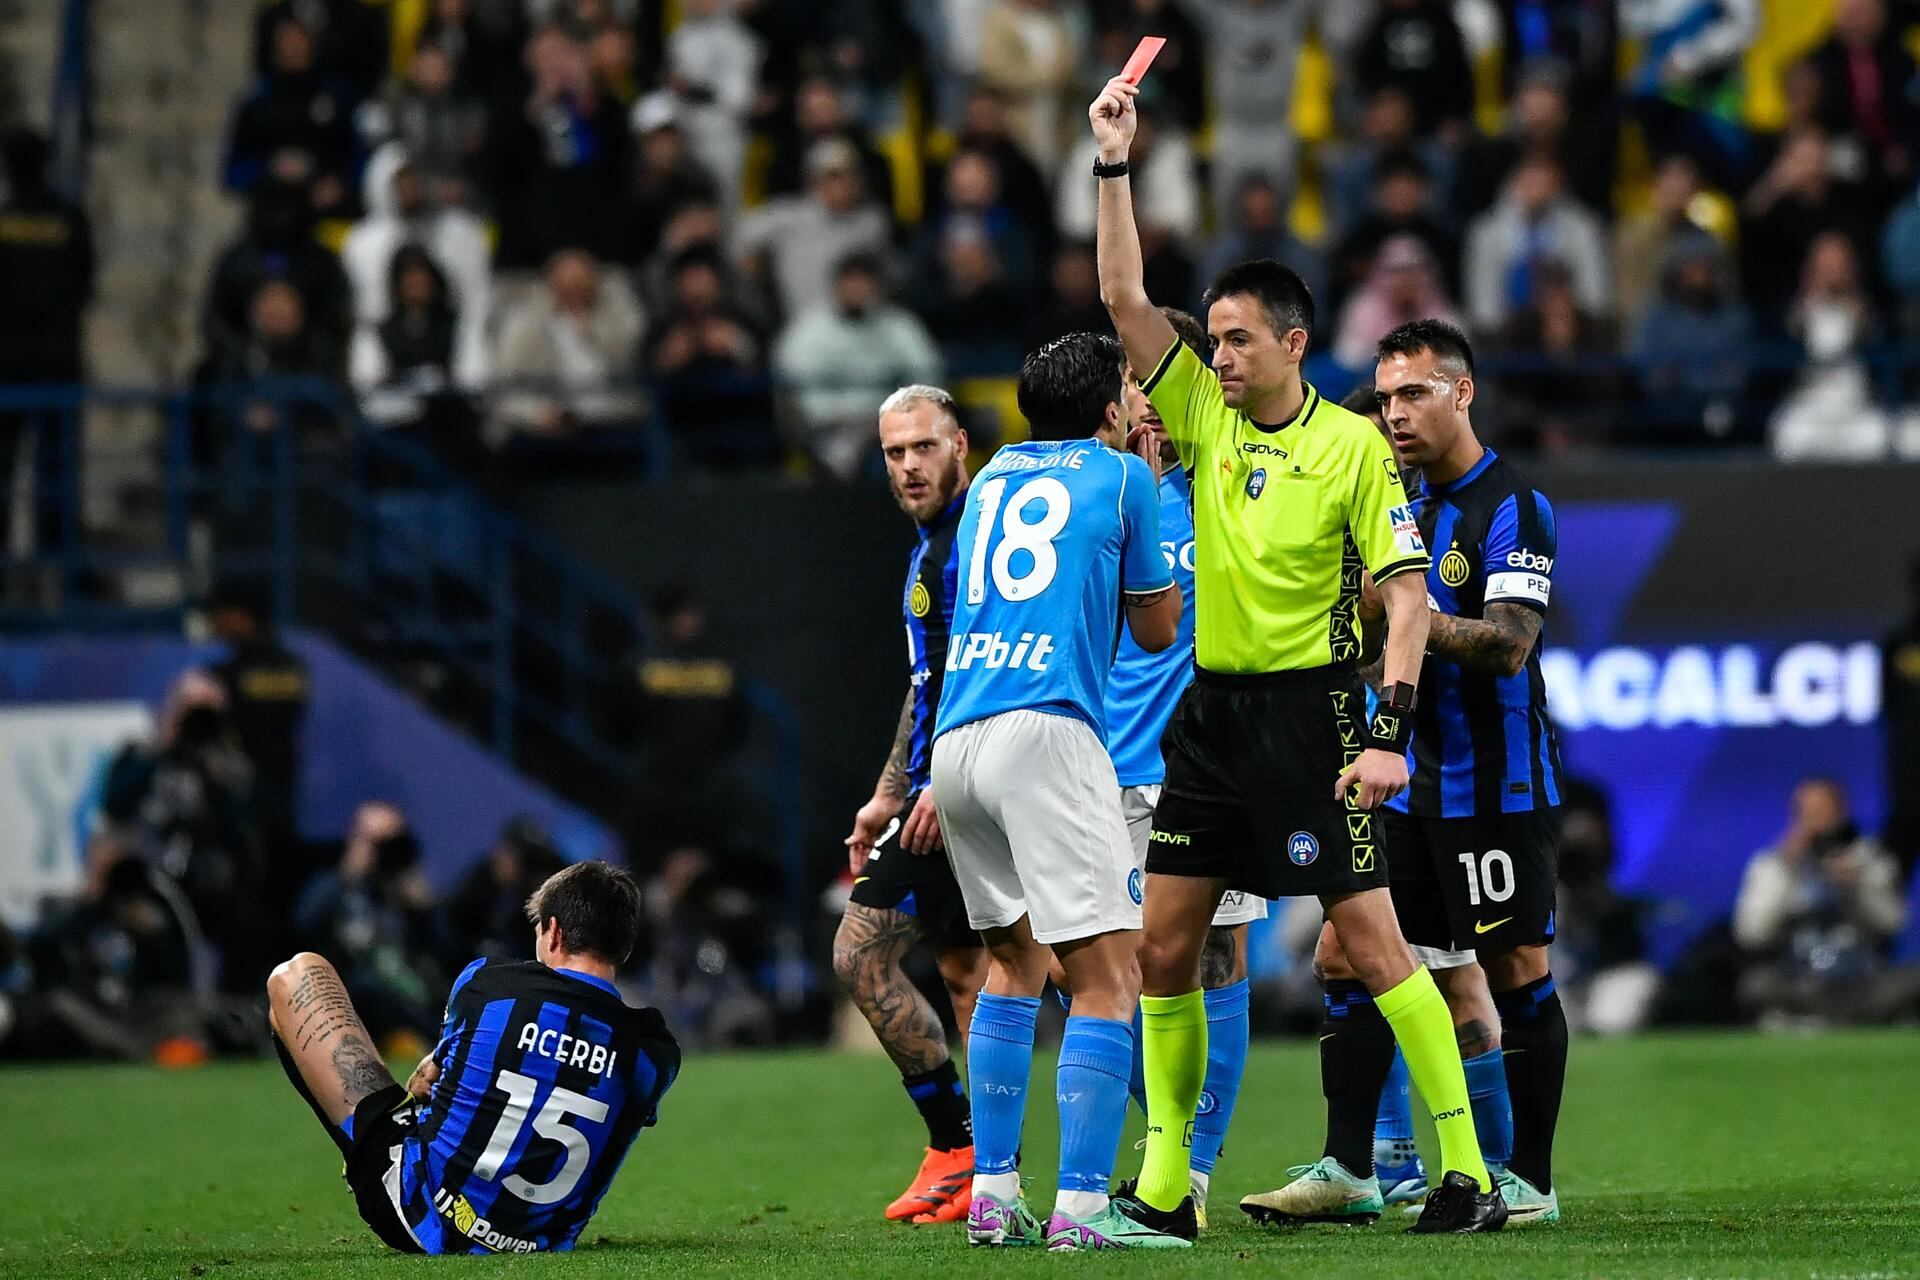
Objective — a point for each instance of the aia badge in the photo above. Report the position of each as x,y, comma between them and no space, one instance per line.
1302,848
1406,531
1257,483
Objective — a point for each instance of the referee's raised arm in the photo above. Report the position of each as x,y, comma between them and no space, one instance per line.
1143,331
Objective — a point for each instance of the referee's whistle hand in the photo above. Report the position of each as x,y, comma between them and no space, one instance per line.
1375,778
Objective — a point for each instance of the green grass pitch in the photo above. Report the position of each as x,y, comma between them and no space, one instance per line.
1680,1156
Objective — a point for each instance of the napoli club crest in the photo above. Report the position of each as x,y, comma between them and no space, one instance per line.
1257,483
1133,886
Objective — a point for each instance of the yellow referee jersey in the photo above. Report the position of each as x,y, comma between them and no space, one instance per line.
1284,519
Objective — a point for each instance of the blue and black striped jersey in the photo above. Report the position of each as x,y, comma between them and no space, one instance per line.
927,608
546,1076
1484,744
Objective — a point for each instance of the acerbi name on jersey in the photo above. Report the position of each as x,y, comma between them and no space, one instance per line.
1736,686
993,651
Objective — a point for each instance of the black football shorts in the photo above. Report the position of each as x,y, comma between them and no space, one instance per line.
920,885
1475,884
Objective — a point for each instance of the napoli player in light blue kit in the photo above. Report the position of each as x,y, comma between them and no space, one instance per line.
1141,696
1058,543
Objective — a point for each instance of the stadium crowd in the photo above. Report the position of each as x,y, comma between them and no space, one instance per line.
741,227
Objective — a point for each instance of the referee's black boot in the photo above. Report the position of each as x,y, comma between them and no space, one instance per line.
1458,1206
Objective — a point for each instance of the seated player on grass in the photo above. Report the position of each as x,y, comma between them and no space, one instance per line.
510,1131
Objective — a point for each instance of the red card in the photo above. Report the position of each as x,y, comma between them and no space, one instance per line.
1143,55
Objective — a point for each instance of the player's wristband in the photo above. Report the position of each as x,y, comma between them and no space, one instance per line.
1118,169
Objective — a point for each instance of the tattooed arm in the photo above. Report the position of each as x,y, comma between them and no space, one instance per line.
870,823
893,777
1497,644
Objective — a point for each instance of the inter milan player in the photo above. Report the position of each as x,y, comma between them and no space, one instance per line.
1473,847
903,891
511,1130
1141,695
1293,500
1059,541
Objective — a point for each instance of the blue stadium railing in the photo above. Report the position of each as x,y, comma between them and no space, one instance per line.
363,533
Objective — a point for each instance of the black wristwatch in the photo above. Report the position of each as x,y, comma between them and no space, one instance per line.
1118,169
1392,727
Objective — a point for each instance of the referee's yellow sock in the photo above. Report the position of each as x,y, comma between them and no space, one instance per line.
1173,1050
1418,1015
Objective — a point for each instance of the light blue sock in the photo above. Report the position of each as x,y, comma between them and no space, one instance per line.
1226,1060
1095,1056
999,1060
1492,1111
1137,1082
1393,1148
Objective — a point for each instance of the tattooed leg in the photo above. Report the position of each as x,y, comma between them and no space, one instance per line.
867,952
1223,956
322,1037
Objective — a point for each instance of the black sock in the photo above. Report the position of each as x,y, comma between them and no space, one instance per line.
943,1105
1533,1032
287,1065
1356,1053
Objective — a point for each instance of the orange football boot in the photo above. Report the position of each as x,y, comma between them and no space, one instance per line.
941,1190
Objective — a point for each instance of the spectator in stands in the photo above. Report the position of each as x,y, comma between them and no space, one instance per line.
349,39
484,44
1869,97
566,353
401,212
280,343
372,914
295,108
666,177
1687,90
971,194
421,365
1072,304
709,363
983,130
1900,727
1566,393
1417,45
1402,204
276,244
487,914
185,800
1900,260
791,244
1257,227
1388,133
1817,914
819,115
713,66
267,690
1252,49
967,301
441,125
1534,221
1027,55
1831,412
694,225
1540,121
1403,286
1600,947
840,360
1643,242
47,262
613,57
560,159
1181,71
1791,206
1691,341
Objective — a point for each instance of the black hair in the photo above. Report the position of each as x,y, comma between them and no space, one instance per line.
1362,400
409,257
698,255
861,261
597,906
1283,296
1067,384
1445,341
1402,164
674,597
1191,332
27,155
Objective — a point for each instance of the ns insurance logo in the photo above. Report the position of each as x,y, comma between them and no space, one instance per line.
1738,686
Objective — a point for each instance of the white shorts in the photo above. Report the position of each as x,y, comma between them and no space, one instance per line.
1029,808
1137,804
1435,958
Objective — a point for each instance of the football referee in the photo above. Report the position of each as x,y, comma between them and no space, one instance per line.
1272,771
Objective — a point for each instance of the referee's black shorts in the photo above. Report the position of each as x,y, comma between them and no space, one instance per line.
1251,765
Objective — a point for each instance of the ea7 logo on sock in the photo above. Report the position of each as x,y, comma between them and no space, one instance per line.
1454,1114
1010,1090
